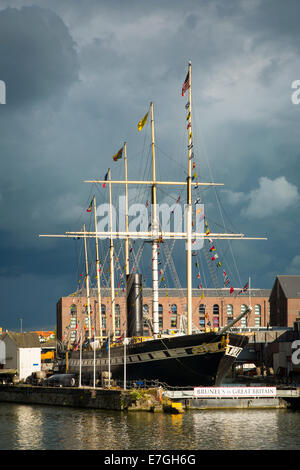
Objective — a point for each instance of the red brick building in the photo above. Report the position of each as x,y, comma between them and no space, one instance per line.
285,301
214,310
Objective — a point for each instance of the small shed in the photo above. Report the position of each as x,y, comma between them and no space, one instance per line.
22,352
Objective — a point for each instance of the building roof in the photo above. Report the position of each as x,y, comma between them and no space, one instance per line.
23,340
290,286
173,292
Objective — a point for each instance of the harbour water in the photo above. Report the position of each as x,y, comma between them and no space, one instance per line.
25,427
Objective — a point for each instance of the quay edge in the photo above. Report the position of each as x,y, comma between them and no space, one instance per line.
152,400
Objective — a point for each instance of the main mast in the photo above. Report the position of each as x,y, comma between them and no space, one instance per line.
189,210
155,237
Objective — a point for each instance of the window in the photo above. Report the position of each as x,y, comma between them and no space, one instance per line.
216,322
216,309
73,310
160,316
145,309
244,319
103,314
202,322
257,322
73,322
202,309
257,317
72,336
229,310
145,319
173,316
257,309
117,317
174,309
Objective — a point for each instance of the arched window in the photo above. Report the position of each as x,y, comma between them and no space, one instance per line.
202,309
73,310
244,319
257,313
216,309
229,310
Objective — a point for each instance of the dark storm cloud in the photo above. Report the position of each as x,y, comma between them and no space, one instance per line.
37,55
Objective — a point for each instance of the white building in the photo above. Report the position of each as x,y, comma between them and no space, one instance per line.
22,352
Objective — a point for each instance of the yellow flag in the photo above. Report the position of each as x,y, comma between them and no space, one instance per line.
142,122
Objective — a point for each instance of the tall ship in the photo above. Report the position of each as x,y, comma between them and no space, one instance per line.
189,357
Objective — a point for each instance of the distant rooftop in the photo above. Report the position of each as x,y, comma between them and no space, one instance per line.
23,340
290,285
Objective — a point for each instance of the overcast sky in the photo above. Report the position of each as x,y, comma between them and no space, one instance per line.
80,75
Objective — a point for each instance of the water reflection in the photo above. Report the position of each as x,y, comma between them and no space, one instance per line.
238,429
45,427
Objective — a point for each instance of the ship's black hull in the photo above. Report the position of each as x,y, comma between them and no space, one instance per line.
202,359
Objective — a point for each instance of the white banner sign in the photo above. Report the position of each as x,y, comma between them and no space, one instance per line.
230,392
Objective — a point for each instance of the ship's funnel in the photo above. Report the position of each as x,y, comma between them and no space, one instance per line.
134,296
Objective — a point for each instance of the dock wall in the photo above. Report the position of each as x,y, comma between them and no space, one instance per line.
136,400
62,396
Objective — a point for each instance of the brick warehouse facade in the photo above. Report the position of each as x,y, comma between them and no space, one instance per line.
285,301
215,310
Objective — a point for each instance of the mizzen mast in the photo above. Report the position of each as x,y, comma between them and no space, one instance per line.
87,281
98,275
126,213
111,257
